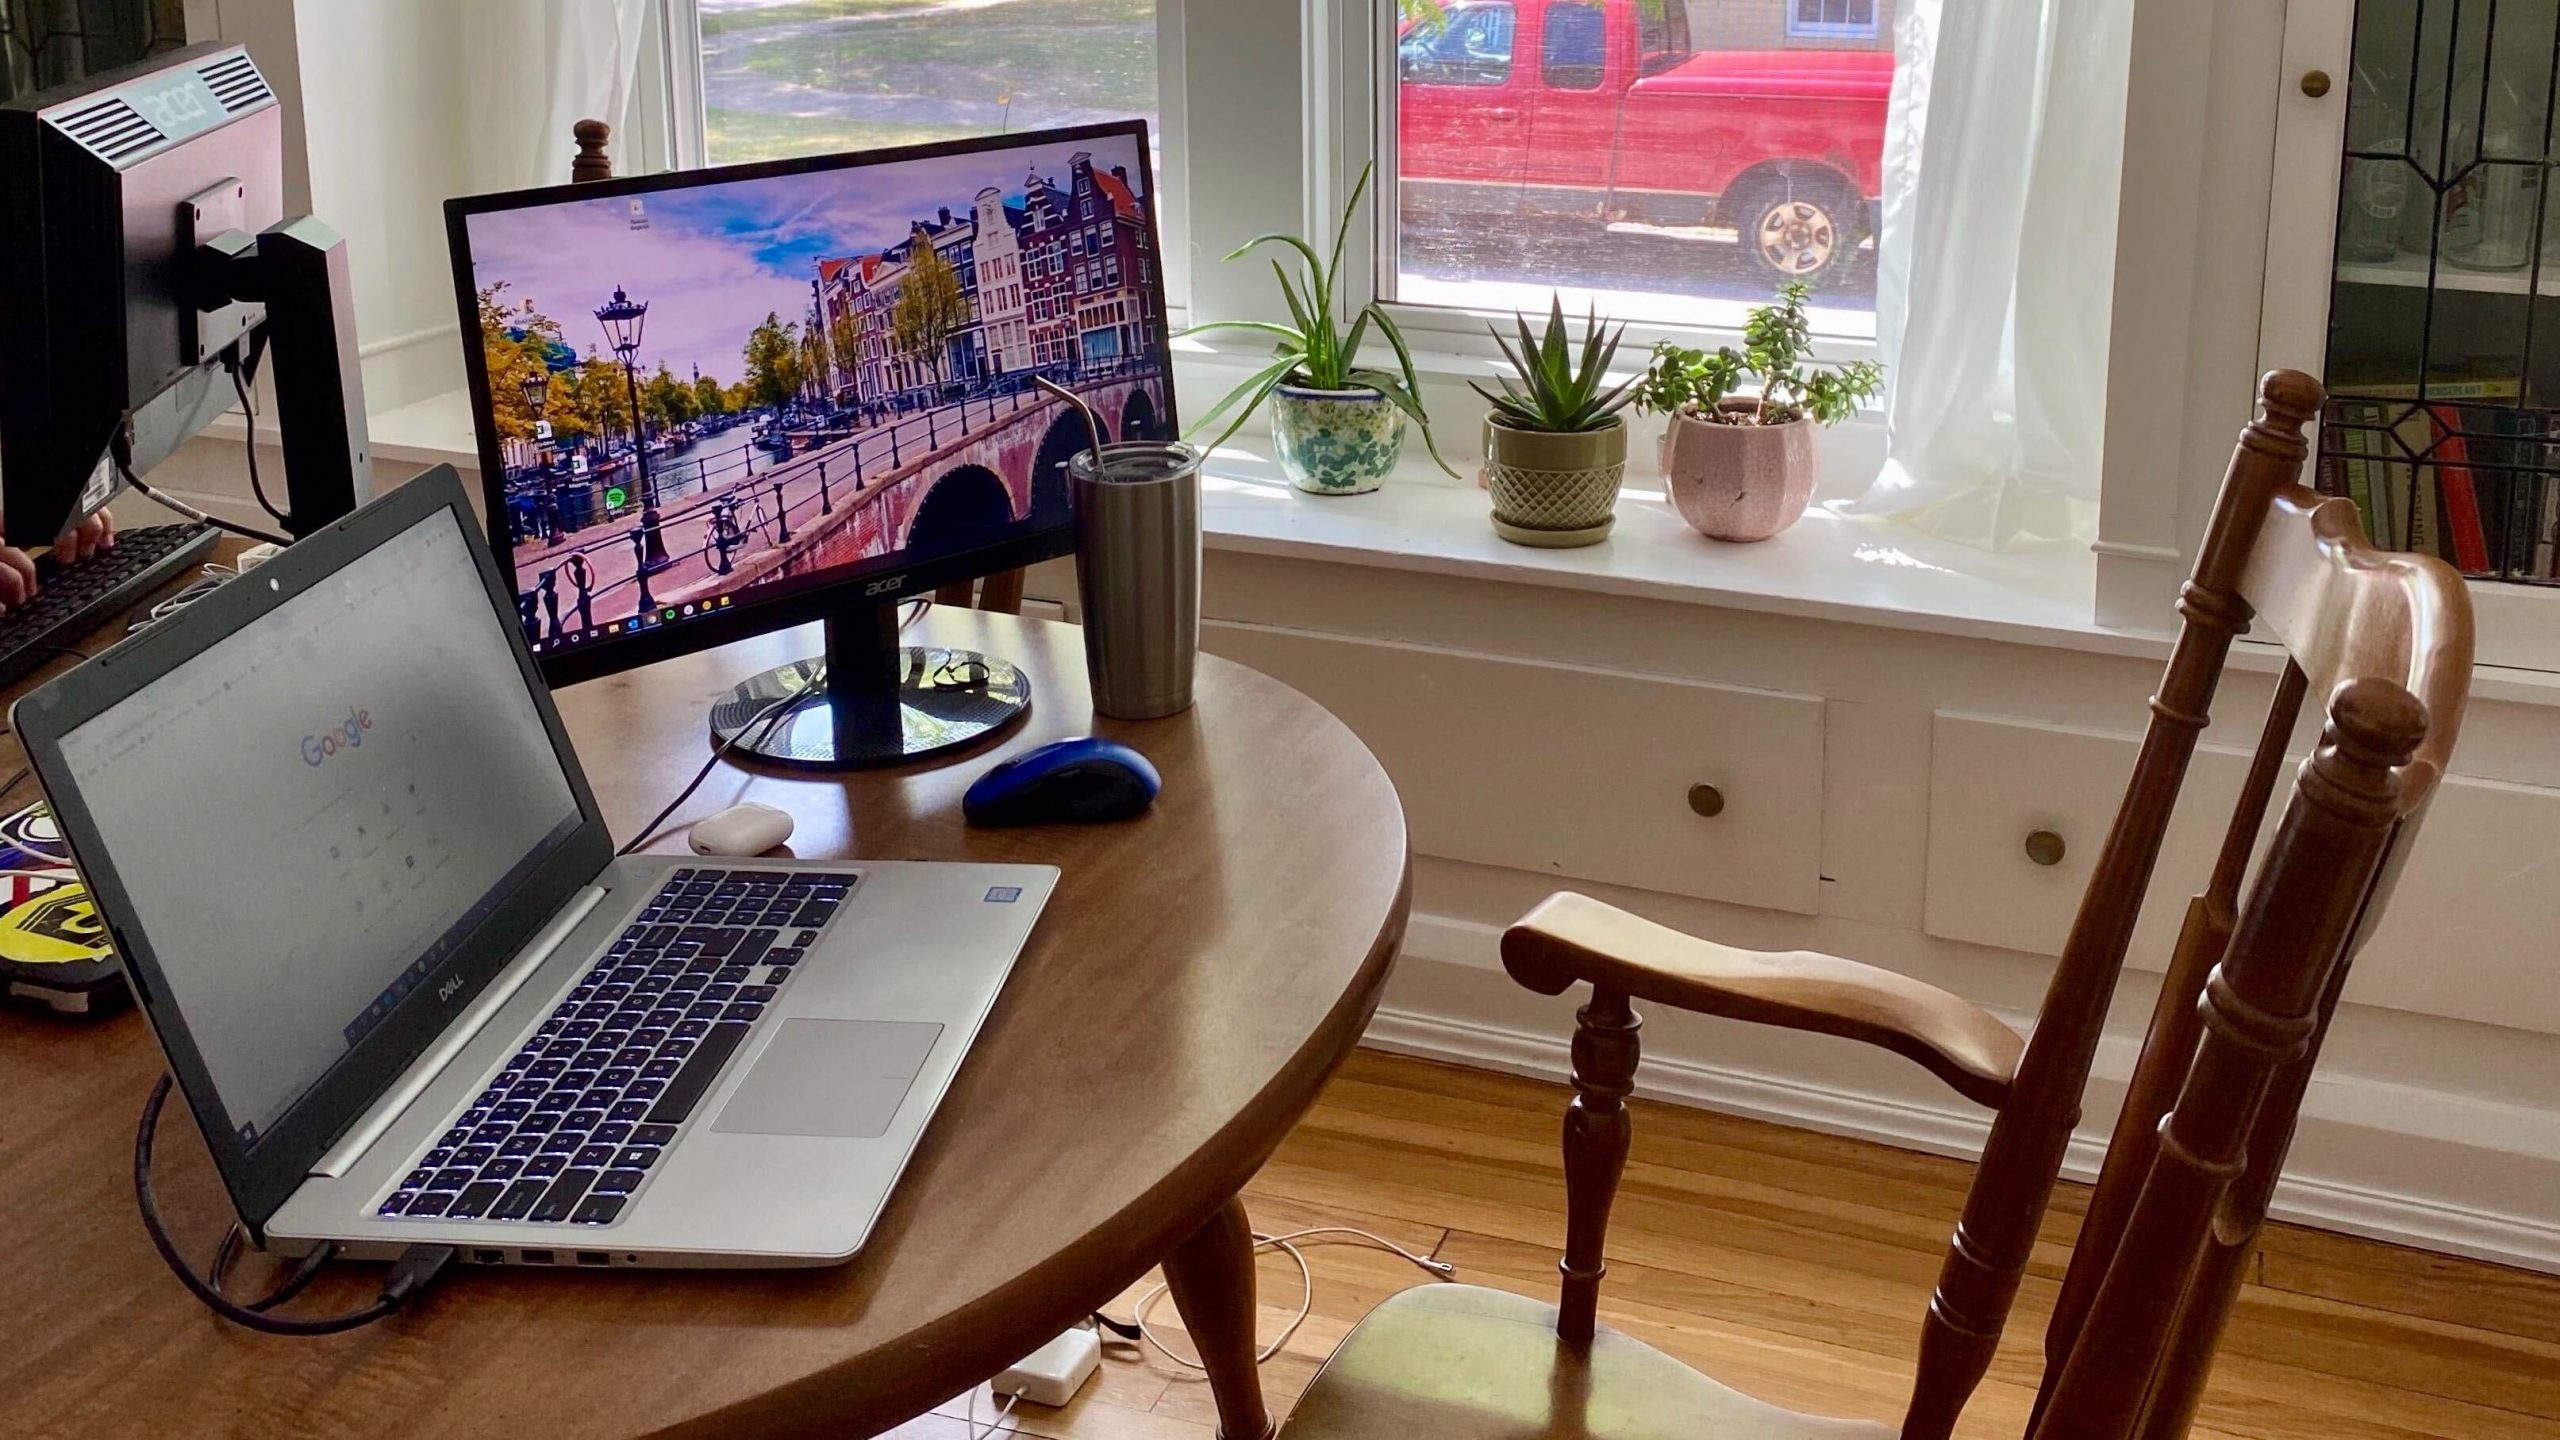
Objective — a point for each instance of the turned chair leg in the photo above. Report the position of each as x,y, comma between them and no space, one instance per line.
1596,1132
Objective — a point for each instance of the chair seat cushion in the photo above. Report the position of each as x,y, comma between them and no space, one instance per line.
1456,1362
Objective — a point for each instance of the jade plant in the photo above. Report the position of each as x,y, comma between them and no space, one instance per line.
1552,389
1317,350
1776,343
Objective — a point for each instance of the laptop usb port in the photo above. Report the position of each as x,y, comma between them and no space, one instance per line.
488,1257
594,1257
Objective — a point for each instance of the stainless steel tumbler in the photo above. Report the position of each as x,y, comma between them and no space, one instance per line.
1138,573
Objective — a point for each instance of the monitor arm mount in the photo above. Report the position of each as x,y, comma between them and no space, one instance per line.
297,269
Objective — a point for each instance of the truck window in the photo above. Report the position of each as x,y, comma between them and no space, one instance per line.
1472,46
1573,51
1662,35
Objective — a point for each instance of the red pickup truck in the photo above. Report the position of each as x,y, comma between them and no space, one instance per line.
1600,108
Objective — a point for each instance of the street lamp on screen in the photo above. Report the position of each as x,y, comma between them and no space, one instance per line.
623,320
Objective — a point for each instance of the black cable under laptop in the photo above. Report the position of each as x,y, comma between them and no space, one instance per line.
417,1268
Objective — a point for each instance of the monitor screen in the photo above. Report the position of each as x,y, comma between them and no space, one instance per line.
708,400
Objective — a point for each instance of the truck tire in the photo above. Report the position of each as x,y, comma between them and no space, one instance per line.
1798,228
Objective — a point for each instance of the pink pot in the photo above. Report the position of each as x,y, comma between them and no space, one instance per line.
1738,482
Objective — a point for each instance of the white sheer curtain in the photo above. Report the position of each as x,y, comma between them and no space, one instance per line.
1995,271
535,68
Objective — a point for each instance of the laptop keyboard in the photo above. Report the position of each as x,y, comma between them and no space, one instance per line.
570,1128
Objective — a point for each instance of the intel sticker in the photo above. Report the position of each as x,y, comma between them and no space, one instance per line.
1003,894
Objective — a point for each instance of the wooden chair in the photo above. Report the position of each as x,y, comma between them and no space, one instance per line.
999,592
2386,640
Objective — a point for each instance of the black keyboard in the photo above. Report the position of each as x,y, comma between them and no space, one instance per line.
570,1127
72,600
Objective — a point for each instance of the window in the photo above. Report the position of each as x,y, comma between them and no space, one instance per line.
802,77
1831,19
1749,159
1573,54
1468,45
1662,37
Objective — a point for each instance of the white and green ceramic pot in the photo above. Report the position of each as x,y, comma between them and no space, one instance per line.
1553,489
1335,442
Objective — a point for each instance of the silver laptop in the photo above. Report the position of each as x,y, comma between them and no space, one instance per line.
336,830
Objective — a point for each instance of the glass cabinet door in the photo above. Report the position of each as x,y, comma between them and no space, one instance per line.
2443,354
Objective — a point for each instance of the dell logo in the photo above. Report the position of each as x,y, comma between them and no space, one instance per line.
446,990
883,587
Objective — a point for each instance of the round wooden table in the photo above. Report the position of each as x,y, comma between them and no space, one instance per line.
1199,974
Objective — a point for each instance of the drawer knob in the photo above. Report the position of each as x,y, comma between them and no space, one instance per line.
2315,83
2044,847
1706,800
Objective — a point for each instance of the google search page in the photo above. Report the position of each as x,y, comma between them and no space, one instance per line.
311,813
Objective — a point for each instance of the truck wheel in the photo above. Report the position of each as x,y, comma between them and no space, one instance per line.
1798,230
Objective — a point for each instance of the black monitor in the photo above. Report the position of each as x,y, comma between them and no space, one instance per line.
142,229
715,403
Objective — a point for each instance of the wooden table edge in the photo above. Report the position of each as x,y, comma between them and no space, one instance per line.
1014,1314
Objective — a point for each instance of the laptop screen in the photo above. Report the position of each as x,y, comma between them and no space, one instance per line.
312,812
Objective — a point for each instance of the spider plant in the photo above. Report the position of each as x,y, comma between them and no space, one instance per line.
1553,391
1316,351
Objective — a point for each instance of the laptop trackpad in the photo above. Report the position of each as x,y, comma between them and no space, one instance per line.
839,1078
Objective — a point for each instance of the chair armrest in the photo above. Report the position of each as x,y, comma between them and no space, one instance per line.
1573,937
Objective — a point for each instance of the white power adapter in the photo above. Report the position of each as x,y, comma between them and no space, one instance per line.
1052,1374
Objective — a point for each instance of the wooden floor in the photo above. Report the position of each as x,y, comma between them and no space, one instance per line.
1795,1266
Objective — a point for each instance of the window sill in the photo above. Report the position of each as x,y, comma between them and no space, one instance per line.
1842,568
1851,569
1829,567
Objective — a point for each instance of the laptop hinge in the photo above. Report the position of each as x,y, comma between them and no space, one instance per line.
343,1156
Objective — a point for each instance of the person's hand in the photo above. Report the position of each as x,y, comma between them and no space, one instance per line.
18,568
17,577
89,537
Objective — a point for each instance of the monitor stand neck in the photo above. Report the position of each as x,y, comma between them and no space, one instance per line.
297,269
884,703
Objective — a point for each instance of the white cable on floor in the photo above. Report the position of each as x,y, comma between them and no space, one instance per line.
971,1418
1286,1244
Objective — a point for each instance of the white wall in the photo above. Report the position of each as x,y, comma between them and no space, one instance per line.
378,138
385,150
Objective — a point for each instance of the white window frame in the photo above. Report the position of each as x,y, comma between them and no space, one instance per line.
1798,29
1358,115
669,99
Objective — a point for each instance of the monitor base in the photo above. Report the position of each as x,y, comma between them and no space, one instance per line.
886,703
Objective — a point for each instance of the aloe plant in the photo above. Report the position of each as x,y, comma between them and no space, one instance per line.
1553,391
1316,351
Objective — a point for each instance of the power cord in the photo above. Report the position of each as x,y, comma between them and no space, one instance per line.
417,1268
971,1418
243,373
251,532
1135,1328
768,718
763,722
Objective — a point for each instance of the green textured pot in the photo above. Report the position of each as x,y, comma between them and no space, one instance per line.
1554,490
1335,442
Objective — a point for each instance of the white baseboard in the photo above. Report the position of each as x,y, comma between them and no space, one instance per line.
1808,1098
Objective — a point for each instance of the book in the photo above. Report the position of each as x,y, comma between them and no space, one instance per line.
2546,533
2484,384
2357,425
2461,538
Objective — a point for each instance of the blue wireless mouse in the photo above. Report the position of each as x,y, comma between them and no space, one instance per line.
1070,781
